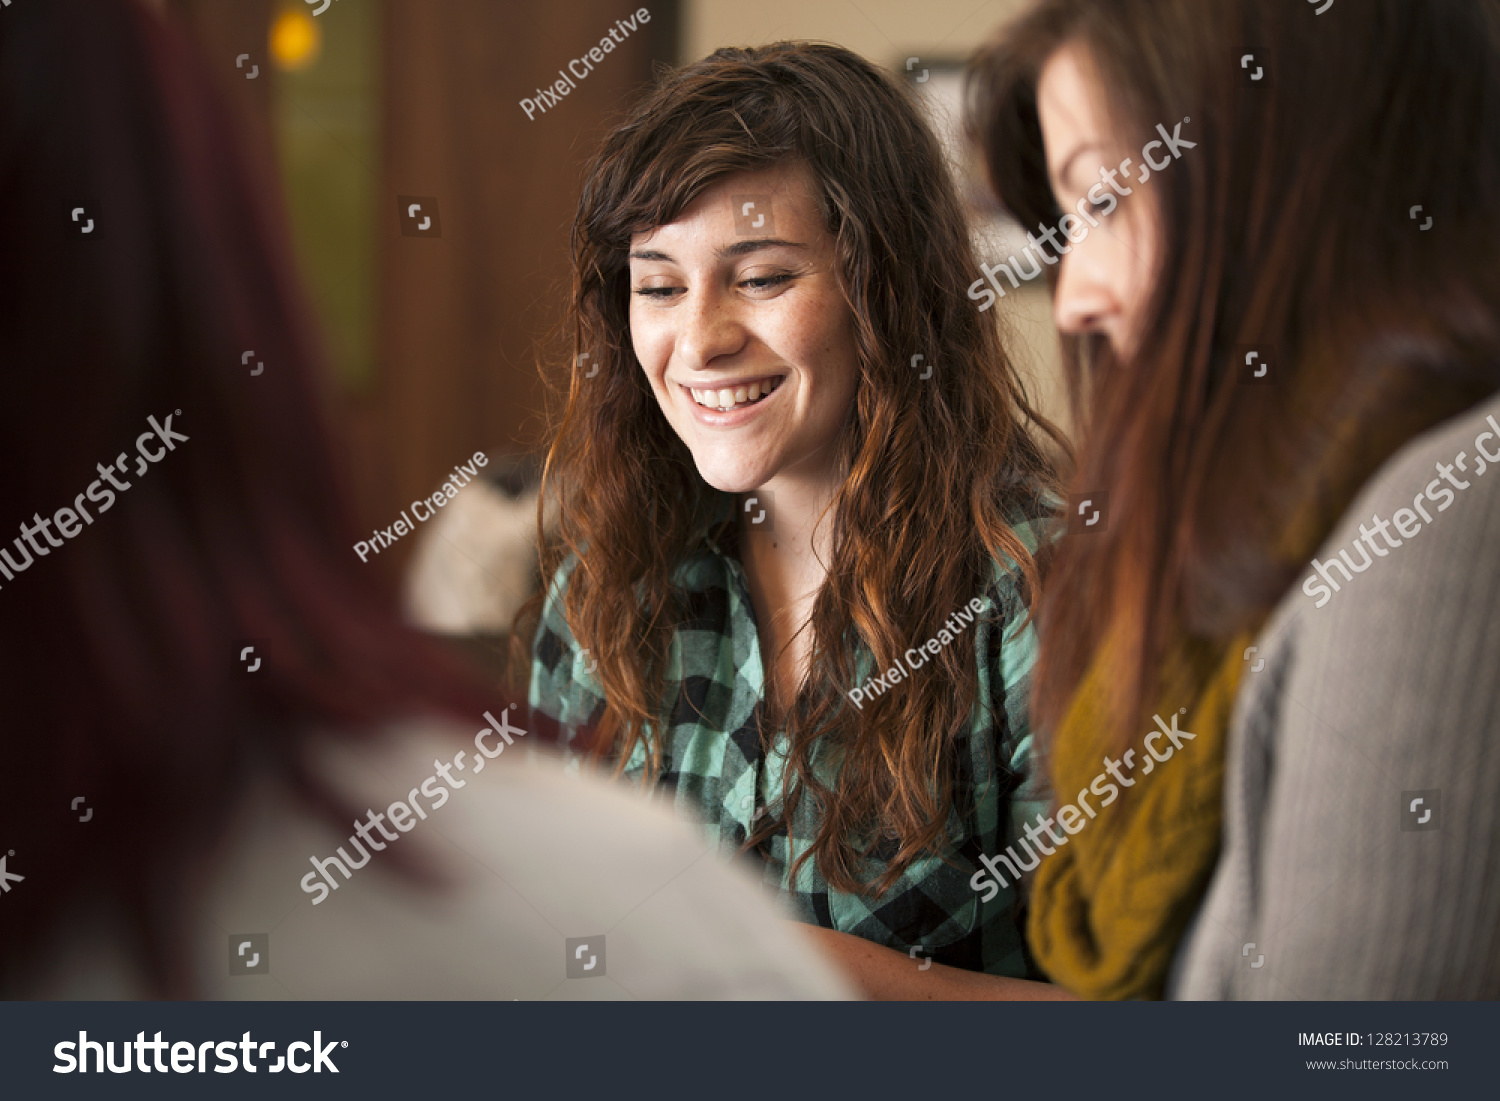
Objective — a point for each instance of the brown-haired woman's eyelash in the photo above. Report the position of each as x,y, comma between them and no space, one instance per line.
762,281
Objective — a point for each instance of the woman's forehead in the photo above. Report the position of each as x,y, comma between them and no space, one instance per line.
761,202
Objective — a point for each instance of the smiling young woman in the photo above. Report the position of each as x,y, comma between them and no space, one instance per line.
762,503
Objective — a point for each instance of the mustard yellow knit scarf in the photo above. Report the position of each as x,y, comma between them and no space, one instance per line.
1108,908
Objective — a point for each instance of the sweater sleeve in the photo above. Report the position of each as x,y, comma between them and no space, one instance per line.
1362,827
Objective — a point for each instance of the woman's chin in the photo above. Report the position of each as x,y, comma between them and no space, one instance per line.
730,477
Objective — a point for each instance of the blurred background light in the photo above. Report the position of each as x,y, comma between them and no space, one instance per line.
296,40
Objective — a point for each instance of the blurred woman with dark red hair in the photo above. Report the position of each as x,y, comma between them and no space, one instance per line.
198,675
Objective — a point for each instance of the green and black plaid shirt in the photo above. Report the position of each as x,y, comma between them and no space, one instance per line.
716,772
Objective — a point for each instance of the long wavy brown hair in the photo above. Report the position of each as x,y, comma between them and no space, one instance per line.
1289,227
931,469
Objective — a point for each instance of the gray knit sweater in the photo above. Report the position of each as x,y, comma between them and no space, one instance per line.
1361,852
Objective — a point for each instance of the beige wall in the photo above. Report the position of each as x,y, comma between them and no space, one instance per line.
888,32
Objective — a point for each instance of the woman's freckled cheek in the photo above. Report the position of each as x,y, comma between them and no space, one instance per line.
651,347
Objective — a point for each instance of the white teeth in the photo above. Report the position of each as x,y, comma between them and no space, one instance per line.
729,399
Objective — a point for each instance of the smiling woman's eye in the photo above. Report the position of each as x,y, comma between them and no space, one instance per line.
765,282
657,292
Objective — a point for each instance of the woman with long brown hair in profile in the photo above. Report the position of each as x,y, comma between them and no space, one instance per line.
801,499
1284,329
215,722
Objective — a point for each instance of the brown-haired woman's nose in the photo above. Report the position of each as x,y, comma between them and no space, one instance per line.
1082,304
707,330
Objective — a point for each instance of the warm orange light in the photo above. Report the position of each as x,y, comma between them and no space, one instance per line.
296,40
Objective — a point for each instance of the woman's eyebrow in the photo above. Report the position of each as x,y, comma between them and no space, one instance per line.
726,252
744,248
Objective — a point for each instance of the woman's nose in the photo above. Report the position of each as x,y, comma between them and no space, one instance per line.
708,328
1082,302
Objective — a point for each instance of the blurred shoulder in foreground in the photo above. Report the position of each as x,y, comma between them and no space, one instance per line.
543,882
